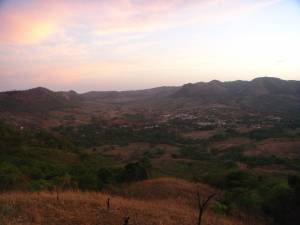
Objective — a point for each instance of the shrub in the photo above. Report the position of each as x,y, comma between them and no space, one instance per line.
134,172
220,208
10,176
39,185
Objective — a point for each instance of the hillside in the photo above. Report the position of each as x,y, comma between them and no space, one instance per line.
128,96
36,100
259,95
174,204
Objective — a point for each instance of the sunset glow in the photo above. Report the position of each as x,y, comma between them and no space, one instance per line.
135,44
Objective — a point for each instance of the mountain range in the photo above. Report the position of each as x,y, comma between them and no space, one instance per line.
264,95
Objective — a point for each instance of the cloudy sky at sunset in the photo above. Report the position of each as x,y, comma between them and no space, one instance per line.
134,44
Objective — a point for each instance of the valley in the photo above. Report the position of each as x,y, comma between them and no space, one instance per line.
240,139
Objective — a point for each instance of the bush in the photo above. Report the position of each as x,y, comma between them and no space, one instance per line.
220,208
105,177
283,205
134,172
10,176
39,185
88,181
240,179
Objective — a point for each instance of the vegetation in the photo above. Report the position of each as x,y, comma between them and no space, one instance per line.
39,160
66,158
97,134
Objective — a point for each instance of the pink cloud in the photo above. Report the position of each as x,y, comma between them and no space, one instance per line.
36,21
59,42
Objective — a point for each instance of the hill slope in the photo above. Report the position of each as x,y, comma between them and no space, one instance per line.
90,208
36,100
261,94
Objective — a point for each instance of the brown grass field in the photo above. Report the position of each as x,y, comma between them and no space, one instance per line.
164,201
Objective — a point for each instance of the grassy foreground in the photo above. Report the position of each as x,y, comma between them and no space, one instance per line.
164,201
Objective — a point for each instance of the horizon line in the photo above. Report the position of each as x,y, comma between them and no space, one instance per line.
142,89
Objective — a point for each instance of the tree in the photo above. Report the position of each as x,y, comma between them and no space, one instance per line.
203,203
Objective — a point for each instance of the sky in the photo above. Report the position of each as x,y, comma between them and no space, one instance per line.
87,45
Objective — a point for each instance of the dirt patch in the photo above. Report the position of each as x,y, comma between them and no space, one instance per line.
203,134
275,169
278,147
229,143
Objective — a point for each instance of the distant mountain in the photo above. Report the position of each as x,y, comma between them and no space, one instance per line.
265,94
37,100
258,87
261,94
125,96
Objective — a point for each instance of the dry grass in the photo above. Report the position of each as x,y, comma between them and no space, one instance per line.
148,204
166,188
